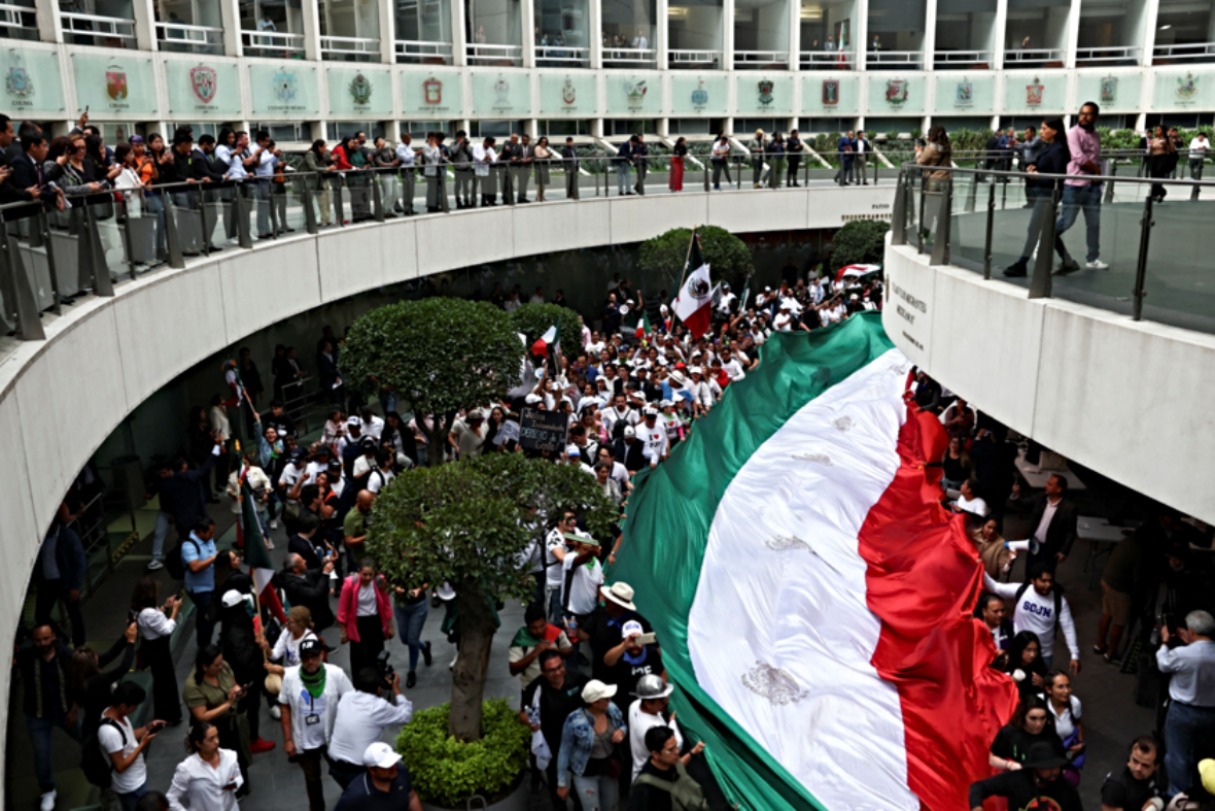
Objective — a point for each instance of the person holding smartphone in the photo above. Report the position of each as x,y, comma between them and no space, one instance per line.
209,777
125,744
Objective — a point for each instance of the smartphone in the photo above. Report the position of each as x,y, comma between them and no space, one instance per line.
647,639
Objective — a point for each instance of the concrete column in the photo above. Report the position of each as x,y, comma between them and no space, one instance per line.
1151,14
229,16
999,34
459,33
145,24
594,32
727,35
50,26
860,35
527,16
662,34
1071,36
795,35
929,45
312,31
388,32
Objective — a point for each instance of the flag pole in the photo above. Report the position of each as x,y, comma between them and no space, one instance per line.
686,258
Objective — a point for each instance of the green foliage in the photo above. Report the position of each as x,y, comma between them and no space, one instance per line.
665,254
859,242
468,523
440,354
448,771
533,320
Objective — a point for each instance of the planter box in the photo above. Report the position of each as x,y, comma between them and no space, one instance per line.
517,800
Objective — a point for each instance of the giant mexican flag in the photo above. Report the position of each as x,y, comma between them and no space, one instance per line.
812,598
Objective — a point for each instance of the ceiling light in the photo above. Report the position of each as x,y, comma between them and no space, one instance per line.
1166,27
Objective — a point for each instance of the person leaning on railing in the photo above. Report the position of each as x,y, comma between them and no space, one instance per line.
935,152
317,160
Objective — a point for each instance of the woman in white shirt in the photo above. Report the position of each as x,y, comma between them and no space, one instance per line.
286,650
1066,709
128,179
156,625
208,779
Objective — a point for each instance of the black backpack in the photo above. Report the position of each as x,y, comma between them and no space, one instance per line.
174,565
95,761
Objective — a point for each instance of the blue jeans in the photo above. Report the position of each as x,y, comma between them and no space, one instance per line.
41,730
1184,726
131,799
158,536
1087,198
410,619
622,177
597,793
553,595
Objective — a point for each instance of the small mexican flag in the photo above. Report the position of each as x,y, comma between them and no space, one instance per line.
643,327
813,599
549,341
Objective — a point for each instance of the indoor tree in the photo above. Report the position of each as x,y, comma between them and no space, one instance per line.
470,524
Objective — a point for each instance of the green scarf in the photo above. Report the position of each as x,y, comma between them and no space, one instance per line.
524,639
314,682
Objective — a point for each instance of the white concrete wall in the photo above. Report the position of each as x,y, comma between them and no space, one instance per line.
1128,399
60,398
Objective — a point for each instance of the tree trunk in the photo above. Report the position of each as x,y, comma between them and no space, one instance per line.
476,629
438,444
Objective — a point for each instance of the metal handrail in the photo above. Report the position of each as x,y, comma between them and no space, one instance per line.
1185,51
418,47
1033,55
349,45
631,55
1107,54
746,58
165,31
480,51
68,17
951,57
894,57
693,56
828,57
280,41
11,17
1040,275
562,53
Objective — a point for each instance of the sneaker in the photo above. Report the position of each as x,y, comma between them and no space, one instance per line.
48,801
274,524
427,656
276,713
260,745
1096,264
1066,268
1016,270
411,680
155,565
454,659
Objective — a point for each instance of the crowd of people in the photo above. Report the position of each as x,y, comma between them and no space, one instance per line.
593,687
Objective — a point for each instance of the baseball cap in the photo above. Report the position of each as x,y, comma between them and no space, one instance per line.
650,411
629,628
533,398
135,139
311,647
572,450
353,420
596,690
380,755
630,431
232,597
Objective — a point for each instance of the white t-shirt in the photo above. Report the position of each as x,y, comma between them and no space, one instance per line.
654,441
312,718
552,566
367,606
639,724
153,624
361,719
1036,612
976,505
1065,722
287,649
201,786
111,740
584,585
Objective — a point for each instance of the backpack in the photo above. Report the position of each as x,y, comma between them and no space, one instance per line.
686,793
96,763
174,564
1056,590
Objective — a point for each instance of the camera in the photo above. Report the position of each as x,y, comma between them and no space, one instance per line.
386,670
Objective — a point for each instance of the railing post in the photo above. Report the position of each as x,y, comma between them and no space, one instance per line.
972,195
310,223
97,268
339,185
940,242
19,291
266,187
202,219
377,198
898,216
1145,232
919,226
126,232
240,207
172,238
1195,189
1040,282
1109,186
991,218
44,231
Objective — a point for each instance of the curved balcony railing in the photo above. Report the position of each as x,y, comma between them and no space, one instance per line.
421,51
1130,237
894,60
98,29
760,59
484,54
1123,55
350,48
51,256
192,38
629,56
962,60
561,56
1190,51
693,58
828,60
1033,58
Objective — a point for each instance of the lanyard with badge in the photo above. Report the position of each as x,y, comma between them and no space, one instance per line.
313,717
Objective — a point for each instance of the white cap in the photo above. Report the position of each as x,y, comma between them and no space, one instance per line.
572,450
650,411
353,419
533,398
629,431
596,690
380,755
232,597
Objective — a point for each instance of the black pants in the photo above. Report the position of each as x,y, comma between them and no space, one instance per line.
371,641
55,591
166,702
344,773
203,615
310,761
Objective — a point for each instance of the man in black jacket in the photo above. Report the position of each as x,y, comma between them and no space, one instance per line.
1053,525
309,588
569,157
1038,784
26,181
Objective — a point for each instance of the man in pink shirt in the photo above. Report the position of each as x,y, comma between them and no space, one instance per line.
1084,144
